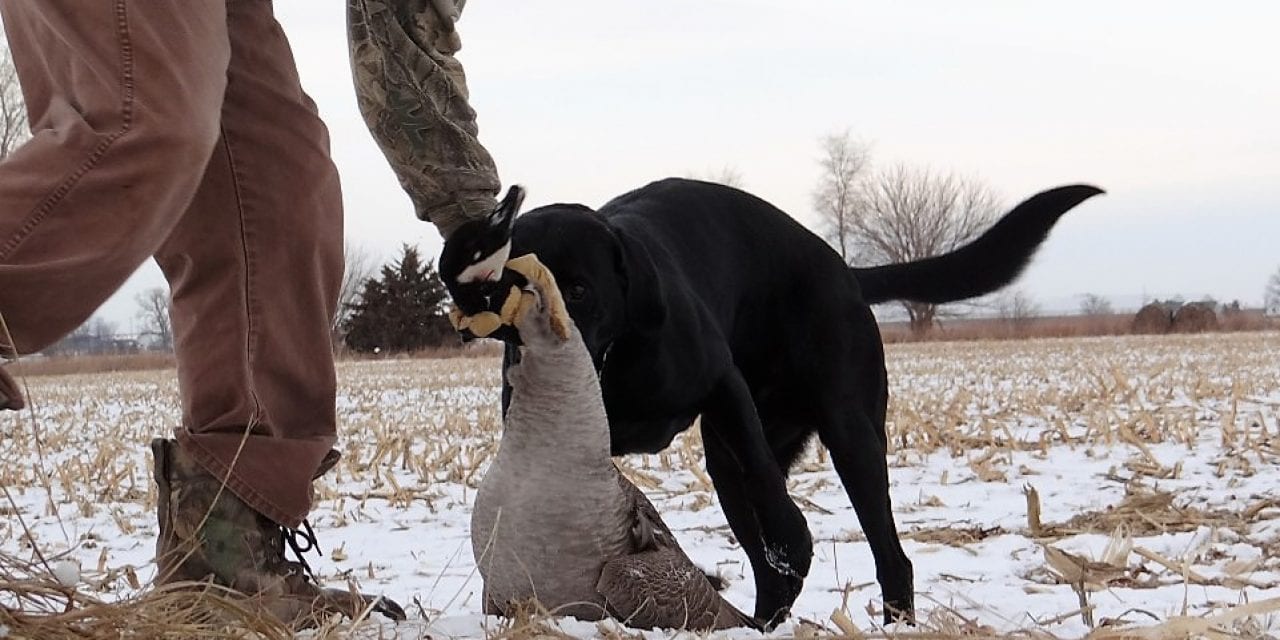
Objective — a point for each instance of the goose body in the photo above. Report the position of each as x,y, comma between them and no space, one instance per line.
554,519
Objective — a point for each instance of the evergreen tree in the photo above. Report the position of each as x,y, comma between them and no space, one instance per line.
403,310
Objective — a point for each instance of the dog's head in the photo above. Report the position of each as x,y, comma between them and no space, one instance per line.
608,280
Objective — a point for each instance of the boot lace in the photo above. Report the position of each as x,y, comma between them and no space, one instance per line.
302,541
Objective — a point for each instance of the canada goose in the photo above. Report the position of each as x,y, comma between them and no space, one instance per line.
554,519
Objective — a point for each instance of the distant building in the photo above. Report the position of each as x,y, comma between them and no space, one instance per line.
86,345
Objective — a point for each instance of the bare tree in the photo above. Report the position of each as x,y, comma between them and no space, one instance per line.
360,266
844,161
727,175
1018,309
14,129
153,311
1271,301
904,213
1092,304
98,327
95,335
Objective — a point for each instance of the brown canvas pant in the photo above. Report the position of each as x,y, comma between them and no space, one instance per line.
179,130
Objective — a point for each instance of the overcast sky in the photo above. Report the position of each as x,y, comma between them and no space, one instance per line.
1172,107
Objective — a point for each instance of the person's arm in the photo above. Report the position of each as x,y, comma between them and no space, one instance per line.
413,95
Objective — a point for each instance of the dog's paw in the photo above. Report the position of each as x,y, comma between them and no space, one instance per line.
900,609
774,598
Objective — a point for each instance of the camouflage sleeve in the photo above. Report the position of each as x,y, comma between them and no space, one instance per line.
413,95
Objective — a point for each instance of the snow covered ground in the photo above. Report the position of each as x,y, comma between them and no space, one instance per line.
1152,459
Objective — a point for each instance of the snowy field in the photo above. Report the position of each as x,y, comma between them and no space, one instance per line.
1150,462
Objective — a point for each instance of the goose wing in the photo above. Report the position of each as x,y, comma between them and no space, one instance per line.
657,585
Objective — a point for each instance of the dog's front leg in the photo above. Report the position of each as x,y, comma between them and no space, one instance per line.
775,590
753,492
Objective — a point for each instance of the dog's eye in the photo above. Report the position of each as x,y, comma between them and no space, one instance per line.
577,292
476,256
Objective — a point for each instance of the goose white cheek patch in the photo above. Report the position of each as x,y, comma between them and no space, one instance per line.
487,269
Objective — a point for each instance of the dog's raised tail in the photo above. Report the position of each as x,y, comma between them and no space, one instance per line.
988,263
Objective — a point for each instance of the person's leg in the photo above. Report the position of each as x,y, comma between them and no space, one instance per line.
124,100
254,268
413,95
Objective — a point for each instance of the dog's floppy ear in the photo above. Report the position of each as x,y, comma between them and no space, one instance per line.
646,306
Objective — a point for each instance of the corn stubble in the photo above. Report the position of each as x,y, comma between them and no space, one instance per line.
420,433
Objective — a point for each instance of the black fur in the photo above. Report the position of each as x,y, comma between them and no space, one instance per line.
982,266
699,299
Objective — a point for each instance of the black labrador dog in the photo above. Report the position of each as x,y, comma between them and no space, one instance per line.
697,299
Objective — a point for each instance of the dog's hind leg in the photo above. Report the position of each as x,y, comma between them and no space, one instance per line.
857,447
752,490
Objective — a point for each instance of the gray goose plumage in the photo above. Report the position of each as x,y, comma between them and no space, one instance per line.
556,521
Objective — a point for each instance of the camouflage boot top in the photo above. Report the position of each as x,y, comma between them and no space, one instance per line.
207,532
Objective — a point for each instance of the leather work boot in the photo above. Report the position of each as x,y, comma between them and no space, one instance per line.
10,392
206,532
